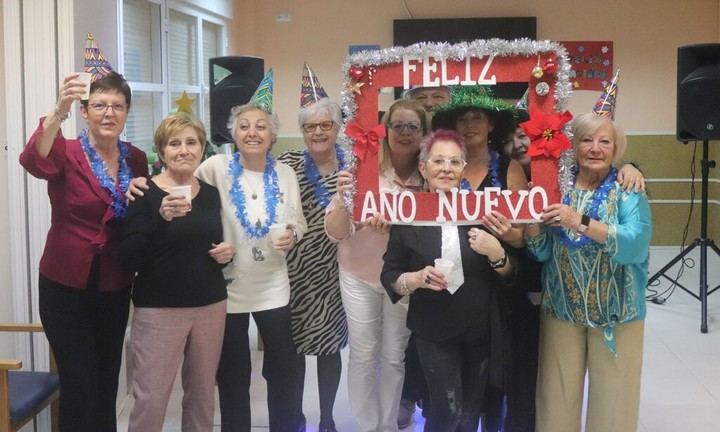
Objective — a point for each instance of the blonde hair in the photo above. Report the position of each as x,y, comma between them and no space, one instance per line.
588,123
174,124
410,105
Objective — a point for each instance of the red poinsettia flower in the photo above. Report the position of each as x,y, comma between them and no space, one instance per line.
546,135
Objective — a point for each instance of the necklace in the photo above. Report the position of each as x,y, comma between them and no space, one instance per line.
313,175
493,168
100,171
599,196
237,196
253,188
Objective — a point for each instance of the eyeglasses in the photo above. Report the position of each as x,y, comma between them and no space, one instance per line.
100,107
399,126
324,126
456,164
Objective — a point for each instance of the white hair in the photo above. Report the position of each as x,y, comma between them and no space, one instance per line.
239,109
323,106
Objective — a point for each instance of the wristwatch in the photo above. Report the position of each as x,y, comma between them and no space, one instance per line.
584,224
499,263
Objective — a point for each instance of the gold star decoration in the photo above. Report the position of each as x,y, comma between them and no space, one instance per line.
354,87
184,103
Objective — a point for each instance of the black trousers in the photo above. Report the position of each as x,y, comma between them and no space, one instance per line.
520,391
329,370
456,373
86,330
414,386
279,370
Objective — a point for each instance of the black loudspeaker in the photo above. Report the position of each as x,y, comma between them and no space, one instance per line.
233,81
698,92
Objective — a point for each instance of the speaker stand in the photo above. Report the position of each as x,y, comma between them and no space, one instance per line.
703,242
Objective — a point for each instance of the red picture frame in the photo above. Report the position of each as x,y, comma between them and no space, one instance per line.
485,62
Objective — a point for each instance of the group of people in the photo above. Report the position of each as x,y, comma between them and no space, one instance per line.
204,245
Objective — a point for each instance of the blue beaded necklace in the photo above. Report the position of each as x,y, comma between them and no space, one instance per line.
313,175
599,196
493,168
237,196
100,170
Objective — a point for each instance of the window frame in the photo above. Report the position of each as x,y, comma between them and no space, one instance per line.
165,88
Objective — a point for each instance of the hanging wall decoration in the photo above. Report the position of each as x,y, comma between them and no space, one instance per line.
592,64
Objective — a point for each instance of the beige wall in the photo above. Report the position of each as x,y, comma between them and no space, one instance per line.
646,36
645,41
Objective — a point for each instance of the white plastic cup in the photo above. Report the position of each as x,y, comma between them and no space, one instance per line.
276,231
185,191
85,78
444,266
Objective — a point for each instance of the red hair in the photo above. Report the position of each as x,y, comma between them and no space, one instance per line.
440,135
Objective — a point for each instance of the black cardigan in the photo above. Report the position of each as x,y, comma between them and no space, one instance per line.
441,316
174,268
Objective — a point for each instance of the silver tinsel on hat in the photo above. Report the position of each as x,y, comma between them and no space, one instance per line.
456,52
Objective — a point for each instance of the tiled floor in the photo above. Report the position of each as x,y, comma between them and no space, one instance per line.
681,371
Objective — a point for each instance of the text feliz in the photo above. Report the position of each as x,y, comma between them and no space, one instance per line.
431,66
401,207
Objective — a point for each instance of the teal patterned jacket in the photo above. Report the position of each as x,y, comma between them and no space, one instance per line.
598,285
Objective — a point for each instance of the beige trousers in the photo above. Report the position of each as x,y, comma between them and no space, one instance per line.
161,339
567,352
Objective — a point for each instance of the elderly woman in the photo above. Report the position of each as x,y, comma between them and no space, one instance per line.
84,289
483,121
318,318
179,292
414,387
595,250
522,314
256,192
378,334
454,344
516,144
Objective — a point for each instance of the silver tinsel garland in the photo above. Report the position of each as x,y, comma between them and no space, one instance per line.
566,164
456,52
350,164
566,175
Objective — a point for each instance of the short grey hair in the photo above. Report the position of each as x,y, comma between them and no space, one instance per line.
324,106
239,109
588,123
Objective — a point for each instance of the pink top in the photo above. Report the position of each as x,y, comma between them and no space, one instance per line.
82,225
361,252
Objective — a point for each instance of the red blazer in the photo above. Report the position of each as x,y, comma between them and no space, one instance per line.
82,226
